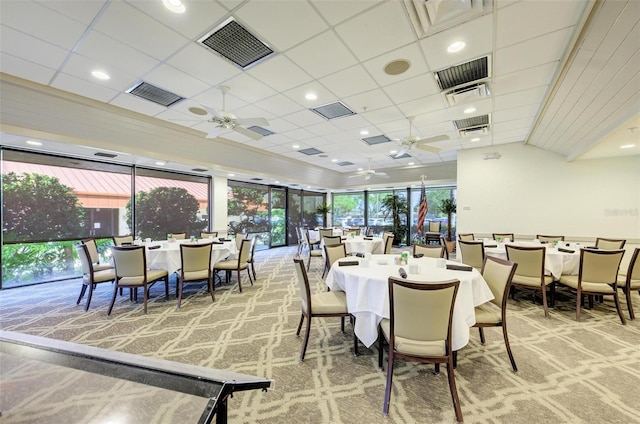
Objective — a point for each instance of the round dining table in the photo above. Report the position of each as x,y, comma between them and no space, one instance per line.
166,255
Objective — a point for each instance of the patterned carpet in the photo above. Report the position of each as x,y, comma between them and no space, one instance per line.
569,372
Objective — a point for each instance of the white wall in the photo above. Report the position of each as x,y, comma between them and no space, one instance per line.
531,191
219,205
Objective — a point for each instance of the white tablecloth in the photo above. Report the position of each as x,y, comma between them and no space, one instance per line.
358,244
368,293
556,263
168,256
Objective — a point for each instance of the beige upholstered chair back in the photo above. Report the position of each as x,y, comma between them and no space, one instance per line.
207,234
303,283
388,243
119,240
498,274
92,248
530,260
548,239
466,237
503,236
429,250
633,272
83,254
434,226
129,261
333,253
239,238
609,244
332,240
599,266
178,236
325,232
245,251
472,253
195,257
412,304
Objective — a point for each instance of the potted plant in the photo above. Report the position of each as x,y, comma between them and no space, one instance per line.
324,209
396,207
448,207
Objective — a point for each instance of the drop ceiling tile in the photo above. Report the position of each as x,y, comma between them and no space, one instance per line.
349,123
411,89
520,98
252,111
323,128
514,124
324,96
279,105
289,22
423,105
299,135
335,12
281,126
42,23
534,52
81,67
348,82
249,89
115,54
526,78
171,79
322,55
367,38
84,88
12,65
515,113
198,17
526,20
204,64
81,11
477,34
130,26
410,53
31,49
180,118
381,116
129,101
369,100
279,73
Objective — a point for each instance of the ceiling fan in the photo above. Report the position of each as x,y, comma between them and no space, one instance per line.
413,141
228,121
368,173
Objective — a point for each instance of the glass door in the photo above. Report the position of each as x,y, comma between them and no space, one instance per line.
277,212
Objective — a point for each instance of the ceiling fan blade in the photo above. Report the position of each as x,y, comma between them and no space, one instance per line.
214,132
367,177
432,149
253,121
212,111
251,134
403,151
441,137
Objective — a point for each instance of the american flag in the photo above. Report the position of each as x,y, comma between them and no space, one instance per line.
422,211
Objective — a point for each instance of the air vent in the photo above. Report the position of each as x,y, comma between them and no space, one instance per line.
333,110
262,131
310,151
469,93
476,121
234,42
199,169
256,179
430,17
154,94
377,139
474,132
344,163
403,156
464,73
105,155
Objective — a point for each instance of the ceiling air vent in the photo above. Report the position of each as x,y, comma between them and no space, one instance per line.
199,169
154,94
469,93
256,179
344,163
431,16
310,151
105,155
234,42
478,125
333,110
262,131
403,156
465,73
376,139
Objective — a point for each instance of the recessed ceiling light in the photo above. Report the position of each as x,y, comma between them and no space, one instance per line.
364,132
475,139
231,175
456,46
334,160
295,146
34,143
311,96
411,163
470,110
627,146
308,186
393,152
100,75
276,182
360,169
175,6
161,163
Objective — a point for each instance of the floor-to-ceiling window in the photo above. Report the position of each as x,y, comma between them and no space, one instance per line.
278,210
294,215
248,211
434,198
348,209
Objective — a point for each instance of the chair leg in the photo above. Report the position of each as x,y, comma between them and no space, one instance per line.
436,369
544,301
552,291
627,293
253,270
89,296
239,280
508,346
166,288
249,274
481,331
454,391
82,291
342,324
145,296
578,302
617,300
211,288
306,339
179,289
387,391
300,325
454,355
113,299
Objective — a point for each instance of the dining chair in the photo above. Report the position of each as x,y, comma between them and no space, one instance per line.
498,274
549,239
325,232
369,232
177,236
411,305
503,236
332,253
251,261
195,266
472,253
429,250
610,244
301,240
597,275
443,242
530,272
239,264
90,276
313,253
388,243
132,272
94,256
208,234
325,304
466,237
631,280
311,244
122,240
